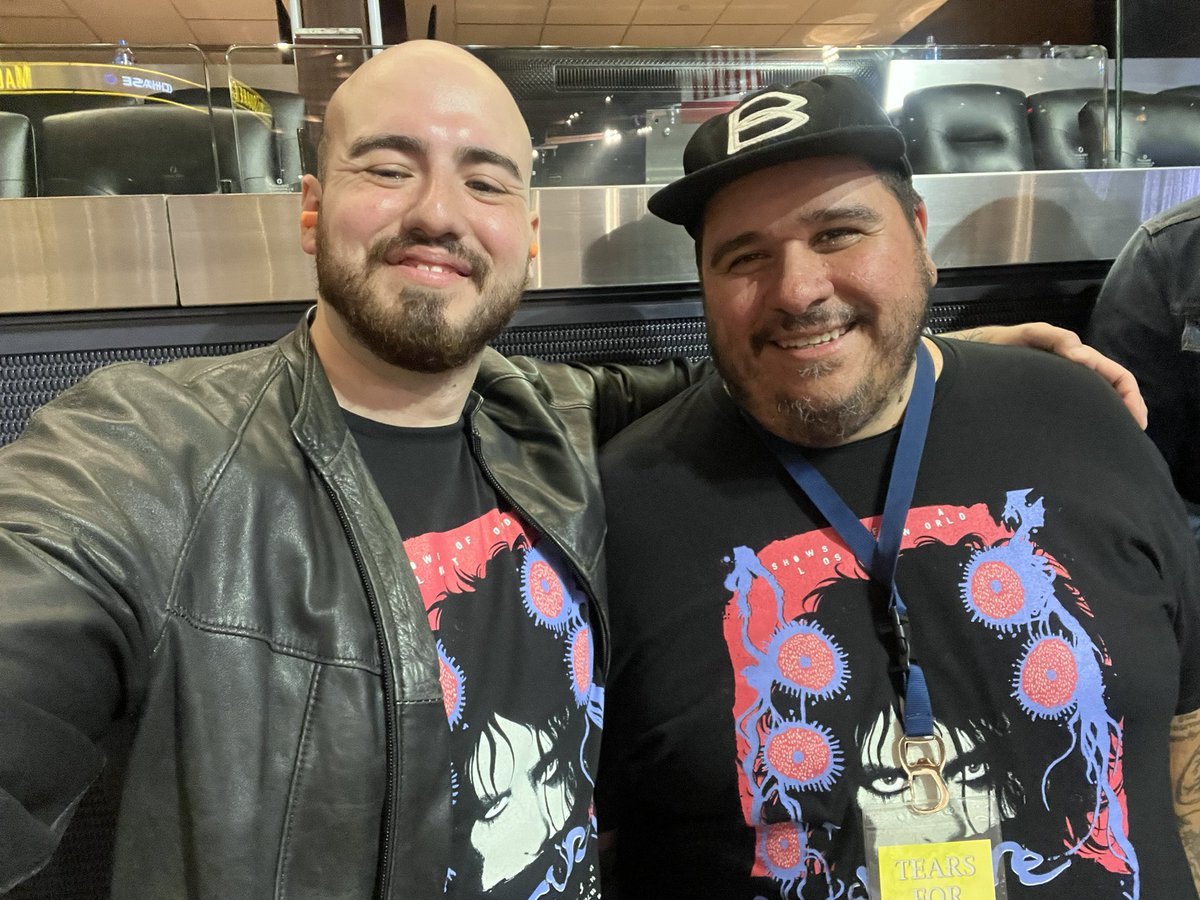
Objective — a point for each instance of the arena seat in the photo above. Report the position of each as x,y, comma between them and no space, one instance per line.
1192,90
36,106
1054,127
966,128
16,155
1156,130
154,150
288,122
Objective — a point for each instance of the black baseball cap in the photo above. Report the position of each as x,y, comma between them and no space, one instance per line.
831,115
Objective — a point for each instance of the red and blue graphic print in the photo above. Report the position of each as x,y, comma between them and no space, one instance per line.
524,721
790,672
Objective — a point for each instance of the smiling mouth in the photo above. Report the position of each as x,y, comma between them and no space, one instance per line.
812,340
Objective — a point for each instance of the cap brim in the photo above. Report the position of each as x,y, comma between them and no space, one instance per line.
683,201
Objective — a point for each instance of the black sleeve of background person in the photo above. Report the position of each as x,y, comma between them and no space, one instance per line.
1138,321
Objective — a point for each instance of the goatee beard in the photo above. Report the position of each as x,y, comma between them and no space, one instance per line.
409,329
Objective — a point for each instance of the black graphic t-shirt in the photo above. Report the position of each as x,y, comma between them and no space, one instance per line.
1052,591
517,669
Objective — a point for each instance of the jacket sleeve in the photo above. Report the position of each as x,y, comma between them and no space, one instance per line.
1139,321
89,530
616,394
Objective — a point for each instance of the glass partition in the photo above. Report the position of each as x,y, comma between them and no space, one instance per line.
113,119
623,115
95,119
289,86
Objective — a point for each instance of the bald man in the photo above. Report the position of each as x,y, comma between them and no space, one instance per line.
347,588
346,591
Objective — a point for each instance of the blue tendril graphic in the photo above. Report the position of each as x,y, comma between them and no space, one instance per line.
1057,676
787,754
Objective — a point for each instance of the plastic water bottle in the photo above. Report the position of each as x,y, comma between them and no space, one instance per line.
124,56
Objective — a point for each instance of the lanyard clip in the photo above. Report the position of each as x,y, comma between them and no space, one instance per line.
922,759
900,629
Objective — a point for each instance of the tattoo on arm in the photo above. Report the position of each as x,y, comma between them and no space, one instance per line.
1185,785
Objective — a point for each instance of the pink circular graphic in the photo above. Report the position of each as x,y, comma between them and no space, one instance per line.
996,590
783,845
581,661
807,660
799,753
1049,674
545,589
451,678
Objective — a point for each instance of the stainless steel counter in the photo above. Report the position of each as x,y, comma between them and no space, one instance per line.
128,252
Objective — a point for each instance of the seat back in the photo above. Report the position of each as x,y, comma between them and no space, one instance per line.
36,106
154,150
16,155
287,122
1192,90
1156,130
1054,127
966,128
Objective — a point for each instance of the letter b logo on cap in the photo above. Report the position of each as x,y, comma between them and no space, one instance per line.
751,117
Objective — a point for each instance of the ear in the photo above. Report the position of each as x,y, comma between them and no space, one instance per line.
310,206
534,222
921,218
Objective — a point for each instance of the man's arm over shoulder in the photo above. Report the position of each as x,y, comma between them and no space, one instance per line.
84,531
618,394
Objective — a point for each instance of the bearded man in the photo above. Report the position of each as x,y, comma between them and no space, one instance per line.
892,616
250,560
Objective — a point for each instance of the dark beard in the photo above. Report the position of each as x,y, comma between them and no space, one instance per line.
801,420
410,330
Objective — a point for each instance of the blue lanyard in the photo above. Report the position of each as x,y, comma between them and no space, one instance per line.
880,557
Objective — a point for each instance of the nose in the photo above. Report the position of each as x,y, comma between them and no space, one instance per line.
437,207
802,279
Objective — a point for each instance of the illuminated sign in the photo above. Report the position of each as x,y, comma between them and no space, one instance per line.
104,78
16,76
245,97
147,84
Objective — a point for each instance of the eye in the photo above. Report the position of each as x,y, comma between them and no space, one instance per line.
834,237
744,261
973,772
485,186
388,173
496,807
887,784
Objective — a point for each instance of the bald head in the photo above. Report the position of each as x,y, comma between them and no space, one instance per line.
449,85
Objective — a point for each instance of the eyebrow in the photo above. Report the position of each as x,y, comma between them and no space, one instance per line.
404,143
853,213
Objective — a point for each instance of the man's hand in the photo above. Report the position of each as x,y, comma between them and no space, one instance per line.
1066,343
1185,785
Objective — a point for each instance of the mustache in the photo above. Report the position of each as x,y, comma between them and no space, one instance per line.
818,318
385,247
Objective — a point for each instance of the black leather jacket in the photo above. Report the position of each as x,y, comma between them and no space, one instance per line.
197,551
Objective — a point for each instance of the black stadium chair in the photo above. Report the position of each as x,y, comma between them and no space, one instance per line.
966,128
16,155
1054,127
1156,130
1192,90
287,126
154,150
36,106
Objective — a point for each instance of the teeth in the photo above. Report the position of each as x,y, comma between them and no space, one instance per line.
426,268
814,340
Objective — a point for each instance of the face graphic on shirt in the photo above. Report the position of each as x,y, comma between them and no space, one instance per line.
884,782
514,650
517,780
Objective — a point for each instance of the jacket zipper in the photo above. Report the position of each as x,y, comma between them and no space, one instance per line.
597,608
389,713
